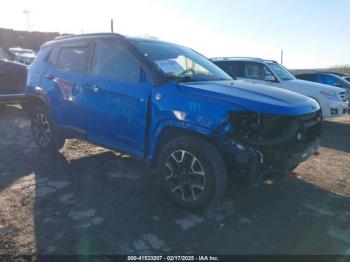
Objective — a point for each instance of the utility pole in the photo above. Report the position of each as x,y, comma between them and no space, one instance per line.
112,26
27,12
282,57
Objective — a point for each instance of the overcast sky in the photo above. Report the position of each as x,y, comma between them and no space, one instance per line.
312,33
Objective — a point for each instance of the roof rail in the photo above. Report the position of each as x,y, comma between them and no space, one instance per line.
63,36
270,60
234,57
83,35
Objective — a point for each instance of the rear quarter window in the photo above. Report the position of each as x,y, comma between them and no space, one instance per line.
52,59
40,58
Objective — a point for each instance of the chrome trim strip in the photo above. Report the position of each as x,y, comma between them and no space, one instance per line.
12,95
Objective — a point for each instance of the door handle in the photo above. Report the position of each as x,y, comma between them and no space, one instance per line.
95,88
49,77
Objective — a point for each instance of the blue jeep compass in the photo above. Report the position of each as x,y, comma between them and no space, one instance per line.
168,105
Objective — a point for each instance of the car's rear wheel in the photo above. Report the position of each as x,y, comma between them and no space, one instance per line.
43,130
193,172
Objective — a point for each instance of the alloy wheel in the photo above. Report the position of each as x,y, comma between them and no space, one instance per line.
185,175
41,129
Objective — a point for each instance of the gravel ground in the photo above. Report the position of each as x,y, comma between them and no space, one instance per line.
89,200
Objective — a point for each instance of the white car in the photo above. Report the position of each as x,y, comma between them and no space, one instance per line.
333,100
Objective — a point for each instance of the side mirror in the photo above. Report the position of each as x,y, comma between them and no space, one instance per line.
270,78
338,84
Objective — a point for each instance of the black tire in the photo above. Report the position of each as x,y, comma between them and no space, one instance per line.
43,130
195,190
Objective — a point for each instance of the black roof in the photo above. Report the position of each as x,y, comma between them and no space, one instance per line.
68,38
73,38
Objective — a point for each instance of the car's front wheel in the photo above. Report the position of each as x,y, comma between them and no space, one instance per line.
193,172
43,130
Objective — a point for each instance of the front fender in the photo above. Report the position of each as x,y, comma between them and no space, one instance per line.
196,114
173,123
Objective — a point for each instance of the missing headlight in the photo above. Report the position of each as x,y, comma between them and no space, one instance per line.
258,128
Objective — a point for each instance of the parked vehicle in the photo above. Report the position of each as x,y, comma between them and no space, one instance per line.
23,56
12,80
333,79
170,106
333,100
3,55
335,73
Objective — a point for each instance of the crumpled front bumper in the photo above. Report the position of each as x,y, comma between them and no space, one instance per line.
263,159
270,163
294,158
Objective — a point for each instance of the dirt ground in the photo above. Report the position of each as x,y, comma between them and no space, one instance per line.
89,200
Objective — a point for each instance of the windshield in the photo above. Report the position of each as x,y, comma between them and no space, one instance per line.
180,63
347,78
281,71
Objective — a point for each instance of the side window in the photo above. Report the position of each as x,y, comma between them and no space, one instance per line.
233,68
112,60
53,55
328,79
255,70
73,59
312,77
266,72
320,79
237,68
308,77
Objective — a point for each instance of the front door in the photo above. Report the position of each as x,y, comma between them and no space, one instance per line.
257,73
115,99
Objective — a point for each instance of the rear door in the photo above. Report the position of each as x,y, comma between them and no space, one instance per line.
62,79
116,99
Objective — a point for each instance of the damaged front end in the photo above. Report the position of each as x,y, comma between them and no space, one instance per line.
265,146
